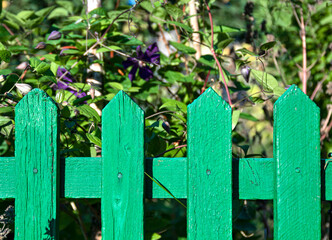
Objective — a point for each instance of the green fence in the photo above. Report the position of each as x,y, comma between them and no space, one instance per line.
208,178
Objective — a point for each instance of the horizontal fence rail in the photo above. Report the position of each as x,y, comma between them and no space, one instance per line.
296,179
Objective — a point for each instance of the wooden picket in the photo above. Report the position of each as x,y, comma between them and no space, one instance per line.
122,169
209,168
37,187
208,178
297,201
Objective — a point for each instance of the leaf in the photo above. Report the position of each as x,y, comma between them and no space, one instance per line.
133,89
182,48
173,105
103,49
278,91
25,14
60,96
6,110
235,118
125,39
43,12
98,11
42,67
207,60
34,62
158,15
174,11
267,81
68,5
147,5
5,56
246,51
181,25
116,85
71,51
4,120
5,71
58,12
227,29
256,99
54,68
89,112
83,87
247,116
14,18
48,76
268,45
74,26
223,44
173,76
17,48
79,101
155,236
94,139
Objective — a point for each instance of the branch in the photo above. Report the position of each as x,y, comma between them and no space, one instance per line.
300,22
215,56
101,40
317,88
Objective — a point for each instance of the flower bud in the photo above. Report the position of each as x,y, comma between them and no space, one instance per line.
55,35
166,126
245,71
23,88
22,66
41,45
3,78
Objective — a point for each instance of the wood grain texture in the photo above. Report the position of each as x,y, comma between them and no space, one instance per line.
81,178
297,201
170,173
209,168
327,179
255,178
122,169
7,177
36,155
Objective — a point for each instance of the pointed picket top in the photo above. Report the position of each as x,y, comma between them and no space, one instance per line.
295,96
296,152
209,97
122,169
36,96
209,168
121,96
36,166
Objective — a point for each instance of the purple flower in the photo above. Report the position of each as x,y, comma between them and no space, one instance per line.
64,83
141,60
55,35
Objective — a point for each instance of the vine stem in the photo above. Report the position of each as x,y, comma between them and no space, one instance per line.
100,40
215,56
302,25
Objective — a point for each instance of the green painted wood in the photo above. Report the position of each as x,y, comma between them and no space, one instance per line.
122,169
7,177
209,168
297,201
170,173
327,179
255,178
36,165
81,178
